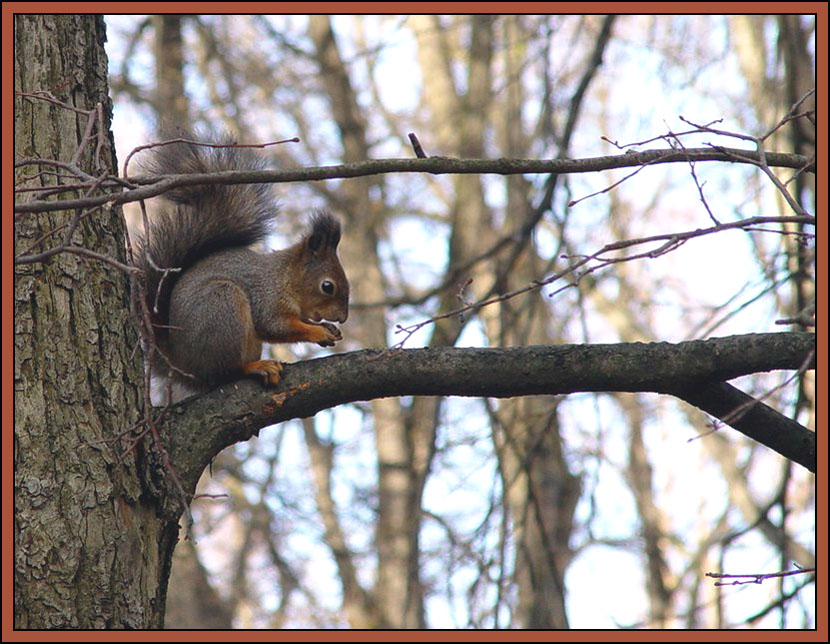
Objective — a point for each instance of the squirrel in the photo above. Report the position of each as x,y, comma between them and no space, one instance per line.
213,301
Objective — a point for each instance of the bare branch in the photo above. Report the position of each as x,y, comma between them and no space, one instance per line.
670,242
756,578
759,159
240,409
75,250
416,146
756,420
151,186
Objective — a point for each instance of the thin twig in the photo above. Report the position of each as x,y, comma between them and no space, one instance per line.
755,578
670,242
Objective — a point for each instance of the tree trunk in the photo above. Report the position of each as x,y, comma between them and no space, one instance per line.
90,548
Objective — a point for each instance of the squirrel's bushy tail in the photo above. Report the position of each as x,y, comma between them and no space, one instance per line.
194,221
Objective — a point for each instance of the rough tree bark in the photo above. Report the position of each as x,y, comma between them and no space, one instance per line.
91,550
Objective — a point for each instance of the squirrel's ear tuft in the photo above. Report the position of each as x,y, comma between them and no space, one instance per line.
325,232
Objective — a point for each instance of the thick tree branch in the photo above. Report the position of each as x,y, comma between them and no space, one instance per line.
756,420
151,186
199,428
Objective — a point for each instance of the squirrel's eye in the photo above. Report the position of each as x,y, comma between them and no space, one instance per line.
327,286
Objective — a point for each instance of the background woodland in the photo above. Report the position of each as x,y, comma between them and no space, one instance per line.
601,508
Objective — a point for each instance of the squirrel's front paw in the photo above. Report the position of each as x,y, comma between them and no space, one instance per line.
333,334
